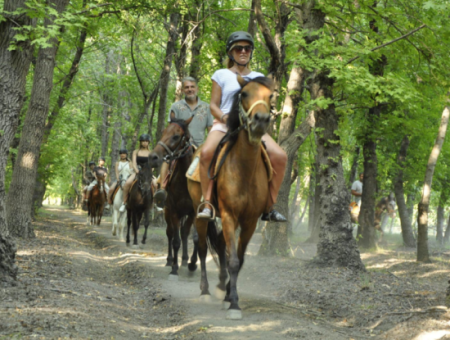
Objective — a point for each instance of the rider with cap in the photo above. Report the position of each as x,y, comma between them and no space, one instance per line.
239,49
90,177
99,170
123,171
190,106
138,158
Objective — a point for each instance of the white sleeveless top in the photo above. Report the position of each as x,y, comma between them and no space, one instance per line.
125,169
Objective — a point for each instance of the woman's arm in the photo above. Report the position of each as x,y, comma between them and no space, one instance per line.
216,97
134,162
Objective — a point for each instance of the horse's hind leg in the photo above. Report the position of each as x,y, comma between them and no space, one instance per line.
129,221
176,242
223,275
193,264
185,230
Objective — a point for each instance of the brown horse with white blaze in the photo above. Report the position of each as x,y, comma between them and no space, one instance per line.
242,188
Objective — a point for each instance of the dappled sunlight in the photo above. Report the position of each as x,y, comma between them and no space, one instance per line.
435,272
433,335
28,160
64,238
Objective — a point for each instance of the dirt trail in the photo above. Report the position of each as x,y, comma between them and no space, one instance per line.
78,281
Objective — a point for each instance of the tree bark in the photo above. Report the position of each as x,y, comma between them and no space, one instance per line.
165,74
20,195
336,246
14,65
180,60
315,217
440,225
405,218
196,41
447,231
422,217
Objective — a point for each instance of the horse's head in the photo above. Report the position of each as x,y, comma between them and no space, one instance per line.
145,177
174,139
251,107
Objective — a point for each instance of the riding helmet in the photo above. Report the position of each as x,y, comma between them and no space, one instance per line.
239,36
144,137
91,163
121,151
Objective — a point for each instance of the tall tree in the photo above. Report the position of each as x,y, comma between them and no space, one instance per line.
20,195
405,219
14,65
422,216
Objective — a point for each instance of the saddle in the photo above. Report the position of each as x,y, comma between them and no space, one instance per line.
193,172
116,190
135,181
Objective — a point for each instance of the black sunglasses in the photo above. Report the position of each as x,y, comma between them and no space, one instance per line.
246,48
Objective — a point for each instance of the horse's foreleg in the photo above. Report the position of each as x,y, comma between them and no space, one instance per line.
185,230
229,227
193,264
128,227
223,275
146,223
114,223
136,220
169,234
176,242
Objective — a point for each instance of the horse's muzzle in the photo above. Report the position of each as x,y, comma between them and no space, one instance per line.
259,125
154,160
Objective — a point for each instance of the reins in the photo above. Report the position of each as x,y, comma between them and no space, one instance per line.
179,151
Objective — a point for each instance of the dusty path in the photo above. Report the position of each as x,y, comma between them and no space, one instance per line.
77,281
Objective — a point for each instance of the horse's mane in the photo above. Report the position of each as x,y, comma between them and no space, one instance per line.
233,121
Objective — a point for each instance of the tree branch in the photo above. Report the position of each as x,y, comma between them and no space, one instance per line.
390,42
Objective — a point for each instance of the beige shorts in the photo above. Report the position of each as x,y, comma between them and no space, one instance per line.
219,126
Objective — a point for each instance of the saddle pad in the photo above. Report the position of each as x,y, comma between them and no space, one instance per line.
116,189
193,172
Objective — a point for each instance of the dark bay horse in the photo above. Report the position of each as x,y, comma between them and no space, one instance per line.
140,201
97,201
242,188
179,213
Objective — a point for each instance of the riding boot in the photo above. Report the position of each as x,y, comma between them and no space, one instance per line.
273,216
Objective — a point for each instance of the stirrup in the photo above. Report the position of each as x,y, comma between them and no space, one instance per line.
213,211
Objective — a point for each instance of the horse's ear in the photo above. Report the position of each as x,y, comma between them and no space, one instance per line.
241,80
172,115
189,121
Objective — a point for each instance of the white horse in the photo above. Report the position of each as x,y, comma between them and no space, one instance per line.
119,219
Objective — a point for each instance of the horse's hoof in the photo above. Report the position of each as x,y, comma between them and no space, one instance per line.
114,233
205,298
226,305
173,277
219,293
234,314
169,263
184,263
192,267
134,246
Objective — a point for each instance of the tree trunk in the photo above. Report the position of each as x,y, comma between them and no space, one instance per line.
107,103
196,41
422,216
20,195
405,218
180,60
165,74
315,217
440,225
447,231
354,168
336,246
14,65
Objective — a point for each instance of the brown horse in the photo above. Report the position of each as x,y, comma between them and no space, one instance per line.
242,188
175,146
97,201
140,201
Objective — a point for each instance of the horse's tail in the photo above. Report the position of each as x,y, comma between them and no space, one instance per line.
212,238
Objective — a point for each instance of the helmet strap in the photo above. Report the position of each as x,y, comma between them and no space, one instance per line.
234,60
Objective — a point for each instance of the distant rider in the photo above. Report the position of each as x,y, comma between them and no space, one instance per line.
357,189
123,170
99,170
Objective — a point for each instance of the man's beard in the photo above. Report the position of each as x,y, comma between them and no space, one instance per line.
190,96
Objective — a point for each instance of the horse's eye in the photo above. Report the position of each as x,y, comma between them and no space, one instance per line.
176,137
244,94
270,97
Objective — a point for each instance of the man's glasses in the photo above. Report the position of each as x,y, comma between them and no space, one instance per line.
246,48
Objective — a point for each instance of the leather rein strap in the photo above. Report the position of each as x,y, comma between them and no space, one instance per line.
179,151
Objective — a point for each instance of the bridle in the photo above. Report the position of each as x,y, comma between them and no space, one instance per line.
180,151
244,116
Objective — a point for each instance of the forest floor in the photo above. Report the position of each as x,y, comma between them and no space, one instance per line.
77,281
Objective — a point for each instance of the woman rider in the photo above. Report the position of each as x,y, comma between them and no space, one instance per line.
239,49
123,171
139,157
90,177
